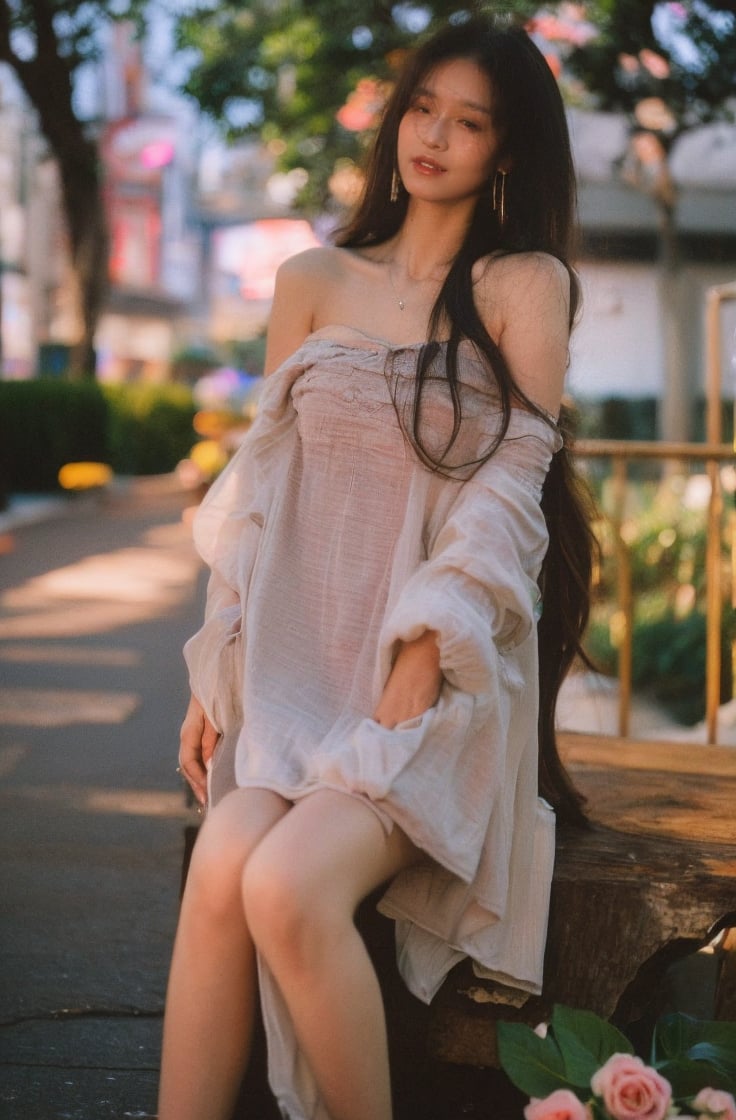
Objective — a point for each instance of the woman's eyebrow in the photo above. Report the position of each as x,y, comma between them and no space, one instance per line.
423,91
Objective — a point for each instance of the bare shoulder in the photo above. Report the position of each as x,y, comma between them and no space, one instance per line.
302,281
512,283
321,261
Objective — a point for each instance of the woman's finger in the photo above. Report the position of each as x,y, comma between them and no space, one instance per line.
191,764
210,737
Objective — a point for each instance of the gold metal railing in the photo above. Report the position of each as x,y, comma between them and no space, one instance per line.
621,453
713,453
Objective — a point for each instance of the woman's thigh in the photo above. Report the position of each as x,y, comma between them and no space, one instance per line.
319,861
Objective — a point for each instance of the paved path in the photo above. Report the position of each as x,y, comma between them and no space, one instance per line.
94,608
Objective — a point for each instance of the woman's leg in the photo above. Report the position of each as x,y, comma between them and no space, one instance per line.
301,888
212,986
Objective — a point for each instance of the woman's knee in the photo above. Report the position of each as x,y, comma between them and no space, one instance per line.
224,845
292,917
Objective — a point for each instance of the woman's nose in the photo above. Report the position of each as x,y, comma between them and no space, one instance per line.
434,132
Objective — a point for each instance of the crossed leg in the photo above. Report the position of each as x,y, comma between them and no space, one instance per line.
287,881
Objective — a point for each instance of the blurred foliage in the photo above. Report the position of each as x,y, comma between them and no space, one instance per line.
283,71
193,362
623,65
70,27
664,530
150,427
248,355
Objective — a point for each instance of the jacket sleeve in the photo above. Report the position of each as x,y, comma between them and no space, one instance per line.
227,532
220,540
478,586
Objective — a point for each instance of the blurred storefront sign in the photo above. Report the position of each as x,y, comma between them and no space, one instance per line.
136,153
251,253
243,263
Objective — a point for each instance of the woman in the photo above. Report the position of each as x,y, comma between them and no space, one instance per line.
377,550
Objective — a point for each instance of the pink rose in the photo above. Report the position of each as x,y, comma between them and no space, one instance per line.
715,1103
560,1105
631,1090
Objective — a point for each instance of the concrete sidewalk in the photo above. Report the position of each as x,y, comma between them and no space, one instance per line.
94,608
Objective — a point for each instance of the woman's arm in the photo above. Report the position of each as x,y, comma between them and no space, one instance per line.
414,682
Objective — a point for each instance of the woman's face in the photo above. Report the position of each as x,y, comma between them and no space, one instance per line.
448,144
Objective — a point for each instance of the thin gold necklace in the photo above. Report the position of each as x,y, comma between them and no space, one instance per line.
399,300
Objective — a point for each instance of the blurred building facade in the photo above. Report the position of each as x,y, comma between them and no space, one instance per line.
619,347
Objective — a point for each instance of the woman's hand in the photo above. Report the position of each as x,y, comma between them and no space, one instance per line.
414,682
197,742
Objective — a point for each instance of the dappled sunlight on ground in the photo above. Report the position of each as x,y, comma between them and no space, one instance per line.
135,575
105,591
55,707
97,799
58,654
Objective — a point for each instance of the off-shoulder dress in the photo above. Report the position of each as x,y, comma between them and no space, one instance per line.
329,542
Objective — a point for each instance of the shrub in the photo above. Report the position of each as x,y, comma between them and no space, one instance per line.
45,423
150,427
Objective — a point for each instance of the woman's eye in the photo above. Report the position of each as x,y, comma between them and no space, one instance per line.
473,126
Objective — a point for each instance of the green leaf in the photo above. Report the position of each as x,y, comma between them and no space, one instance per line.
687,1078
677,1035
691,1053
720,1059
533,1064
600,1038
580,1063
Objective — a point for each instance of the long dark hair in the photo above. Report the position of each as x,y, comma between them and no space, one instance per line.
540,207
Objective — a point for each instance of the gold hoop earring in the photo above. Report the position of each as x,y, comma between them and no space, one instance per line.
395,184
498,197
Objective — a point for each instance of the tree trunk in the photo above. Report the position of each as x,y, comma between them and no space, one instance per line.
675,419
47,81
81,190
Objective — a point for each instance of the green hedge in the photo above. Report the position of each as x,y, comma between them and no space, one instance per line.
46,422
150,427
